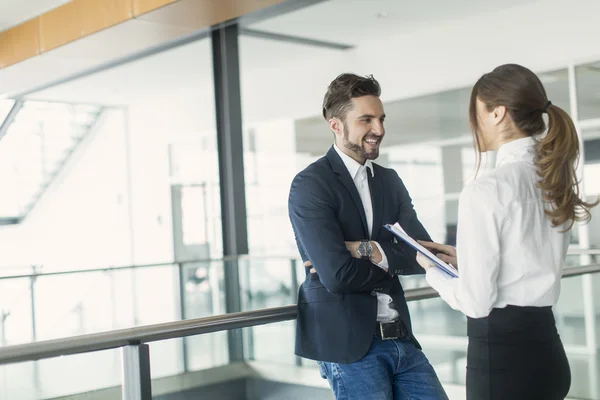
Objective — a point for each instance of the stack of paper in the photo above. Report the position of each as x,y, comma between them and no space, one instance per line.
397,230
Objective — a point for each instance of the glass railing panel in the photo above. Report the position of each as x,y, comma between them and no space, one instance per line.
15,311
61,376
578,320
271,343
265,283
72,304
203,293
156,300
156,292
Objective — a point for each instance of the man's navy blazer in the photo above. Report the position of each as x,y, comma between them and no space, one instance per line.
337,306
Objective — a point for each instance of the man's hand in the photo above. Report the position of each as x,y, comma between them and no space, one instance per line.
309,264
353,248
442,251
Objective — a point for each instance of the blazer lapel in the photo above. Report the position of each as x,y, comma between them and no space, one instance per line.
376,189
340,169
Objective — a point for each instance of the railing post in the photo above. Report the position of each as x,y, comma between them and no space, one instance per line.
32,299
184,343
5,315
137,383
36,371
295,287
247,294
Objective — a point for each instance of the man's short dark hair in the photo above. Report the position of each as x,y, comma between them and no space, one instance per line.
338,99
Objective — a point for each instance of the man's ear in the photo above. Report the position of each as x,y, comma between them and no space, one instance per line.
336,126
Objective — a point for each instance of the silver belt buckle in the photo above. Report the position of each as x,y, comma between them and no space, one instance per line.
383,335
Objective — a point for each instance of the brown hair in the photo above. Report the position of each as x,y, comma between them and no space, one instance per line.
338,99
522,93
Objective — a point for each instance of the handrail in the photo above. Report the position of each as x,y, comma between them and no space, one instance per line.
177,329
583,252
243,257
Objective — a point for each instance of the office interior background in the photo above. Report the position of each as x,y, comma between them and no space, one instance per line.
109,157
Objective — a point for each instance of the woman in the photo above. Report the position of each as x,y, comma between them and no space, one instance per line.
513,232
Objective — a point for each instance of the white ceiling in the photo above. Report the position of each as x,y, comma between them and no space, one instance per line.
354,22
13,12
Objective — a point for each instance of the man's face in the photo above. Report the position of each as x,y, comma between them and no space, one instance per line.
362,131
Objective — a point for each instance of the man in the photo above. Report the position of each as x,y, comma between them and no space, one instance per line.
352,315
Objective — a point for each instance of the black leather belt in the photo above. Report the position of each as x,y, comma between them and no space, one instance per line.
391,330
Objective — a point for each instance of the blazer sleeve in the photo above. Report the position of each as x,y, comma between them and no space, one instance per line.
321,240
402,259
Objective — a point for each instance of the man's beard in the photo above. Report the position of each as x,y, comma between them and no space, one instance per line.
359,149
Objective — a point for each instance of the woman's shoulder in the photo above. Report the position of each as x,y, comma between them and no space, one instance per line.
490,190
483,187
494,190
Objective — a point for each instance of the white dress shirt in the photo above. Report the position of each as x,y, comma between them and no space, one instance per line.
358,173
508,252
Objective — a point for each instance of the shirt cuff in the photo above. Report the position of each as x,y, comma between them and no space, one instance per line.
384,261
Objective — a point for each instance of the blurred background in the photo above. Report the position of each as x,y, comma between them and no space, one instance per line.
119,148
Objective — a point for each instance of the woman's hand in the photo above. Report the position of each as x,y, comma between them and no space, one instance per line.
424,262
442,251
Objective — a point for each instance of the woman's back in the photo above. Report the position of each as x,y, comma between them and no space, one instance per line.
531,250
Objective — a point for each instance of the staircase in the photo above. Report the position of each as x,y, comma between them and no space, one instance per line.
37,138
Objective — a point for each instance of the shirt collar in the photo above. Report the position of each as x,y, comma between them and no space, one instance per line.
352,165
516,150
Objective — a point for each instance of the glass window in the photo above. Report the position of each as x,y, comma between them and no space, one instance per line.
166,136
556,84
588,90
424,141
114,204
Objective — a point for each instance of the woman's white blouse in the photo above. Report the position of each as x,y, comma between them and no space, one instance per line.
508,252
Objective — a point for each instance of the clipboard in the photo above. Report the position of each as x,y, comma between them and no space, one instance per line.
397,230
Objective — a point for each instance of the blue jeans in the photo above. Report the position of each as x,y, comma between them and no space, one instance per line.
391,370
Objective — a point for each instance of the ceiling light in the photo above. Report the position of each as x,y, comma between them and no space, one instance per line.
382,14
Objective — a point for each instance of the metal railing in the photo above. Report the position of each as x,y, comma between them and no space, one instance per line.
136,383
37,270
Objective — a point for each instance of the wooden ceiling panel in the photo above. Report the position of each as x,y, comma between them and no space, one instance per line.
19,43
143,6
198,14
80,18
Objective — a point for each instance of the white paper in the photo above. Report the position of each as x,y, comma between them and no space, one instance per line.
401,233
